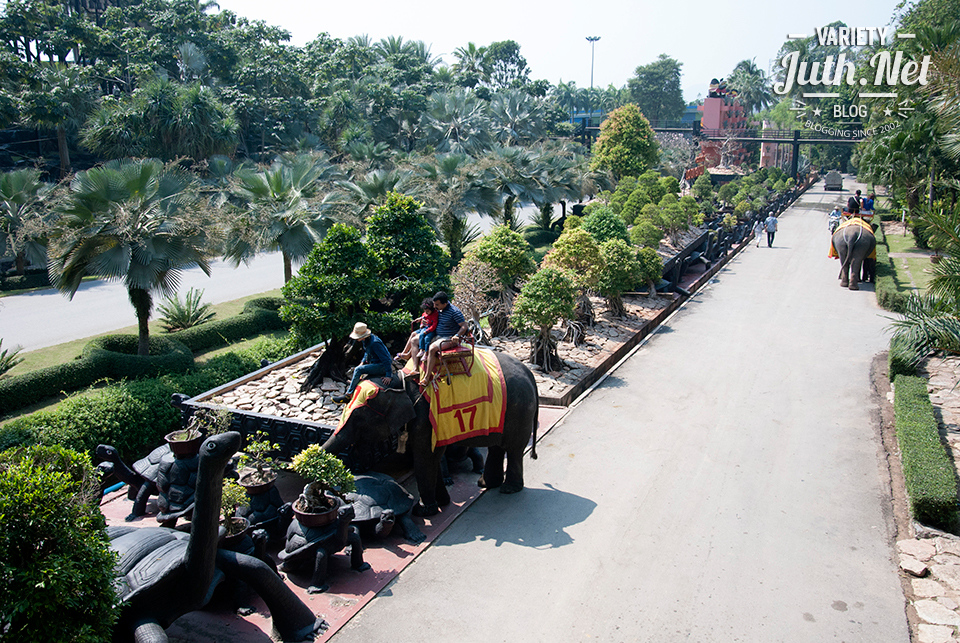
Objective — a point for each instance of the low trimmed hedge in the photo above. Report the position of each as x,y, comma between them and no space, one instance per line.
929,473
258,316
134,415
111,356
114,356
901,360
888,297
36,278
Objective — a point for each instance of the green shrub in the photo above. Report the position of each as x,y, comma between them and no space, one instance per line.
258,316
646,234
116,356
508,252
929,474
888,297
31,279
110,415
18,391
9,357
180,315
901,360
604,224
573,221
56,566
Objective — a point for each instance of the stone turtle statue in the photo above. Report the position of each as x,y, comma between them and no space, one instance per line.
315,545
141,478
162,573
379,503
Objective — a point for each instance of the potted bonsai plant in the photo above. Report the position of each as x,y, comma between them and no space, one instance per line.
258,469
204,422
233,497
328,479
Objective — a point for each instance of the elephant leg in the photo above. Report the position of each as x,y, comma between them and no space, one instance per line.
476,458
292,619
149,631
844,272
856,265
514,480
492,469
433,493
356,551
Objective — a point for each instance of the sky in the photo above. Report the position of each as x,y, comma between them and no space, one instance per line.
708,38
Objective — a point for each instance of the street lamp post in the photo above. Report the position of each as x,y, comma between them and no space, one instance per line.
593,41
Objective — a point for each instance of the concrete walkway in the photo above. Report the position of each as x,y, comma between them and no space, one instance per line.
724,484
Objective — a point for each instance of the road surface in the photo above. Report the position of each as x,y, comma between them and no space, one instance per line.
45,317
724,484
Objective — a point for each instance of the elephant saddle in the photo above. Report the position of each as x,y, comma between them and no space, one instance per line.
468,407
851,222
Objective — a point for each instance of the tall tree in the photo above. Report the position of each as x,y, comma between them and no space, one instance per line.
627,145
23,226
655,89
279,213
132,221
507,67
752,85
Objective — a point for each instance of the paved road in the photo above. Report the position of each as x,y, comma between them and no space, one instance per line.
46,318
723,485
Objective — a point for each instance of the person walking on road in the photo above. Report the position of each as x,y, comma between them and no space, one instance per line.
758,230
771,225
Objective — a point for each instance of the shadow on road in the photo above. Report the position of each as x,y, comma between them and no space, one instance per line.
535,518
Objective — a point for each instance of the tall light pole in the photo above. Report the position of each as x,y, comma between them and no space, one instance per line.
593,41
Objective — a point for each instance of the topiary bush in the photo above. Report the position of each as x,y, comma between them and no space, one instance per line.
929,474
604,224
116,356
56,566
646,235
508,252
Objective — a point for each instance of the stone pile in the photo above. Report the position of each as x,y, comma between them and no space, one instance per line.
278,393
604,338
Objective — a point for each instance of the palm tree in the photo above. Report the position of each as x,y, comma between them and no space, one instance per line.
22,223
451,189
279,212
456,122
752,85
516,118
565,94
134,221
471,66
515,174
365,192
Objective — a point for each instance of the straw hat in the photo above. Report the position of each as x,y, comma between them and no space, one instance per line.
360,331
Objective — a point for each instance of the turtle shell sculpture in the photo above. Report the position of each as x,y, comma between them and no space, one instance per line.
176,485
162,573
141,478
266,511
314,545
379,503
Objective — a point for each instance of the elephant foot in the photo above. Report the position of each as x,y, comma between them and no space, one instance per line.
511,487
131,517
362,568
483,483
424,511
854,287
844,284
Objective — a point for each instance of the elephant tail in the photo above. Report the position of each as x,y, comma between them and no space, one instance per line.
536,424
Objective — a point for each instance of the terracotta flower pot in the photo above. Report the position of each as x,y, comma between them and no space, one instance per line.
185,443
233,539
317,519
255,487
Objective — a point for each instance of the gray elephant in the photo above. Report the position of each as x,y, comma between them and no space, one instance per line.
392,410
852,242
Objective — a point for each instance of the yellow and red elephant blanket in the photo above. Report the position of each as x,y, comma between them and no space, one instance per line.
365,391
469,406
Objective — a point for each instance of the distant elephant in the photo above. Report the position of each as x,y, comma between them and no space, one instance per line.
392,410
853,241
